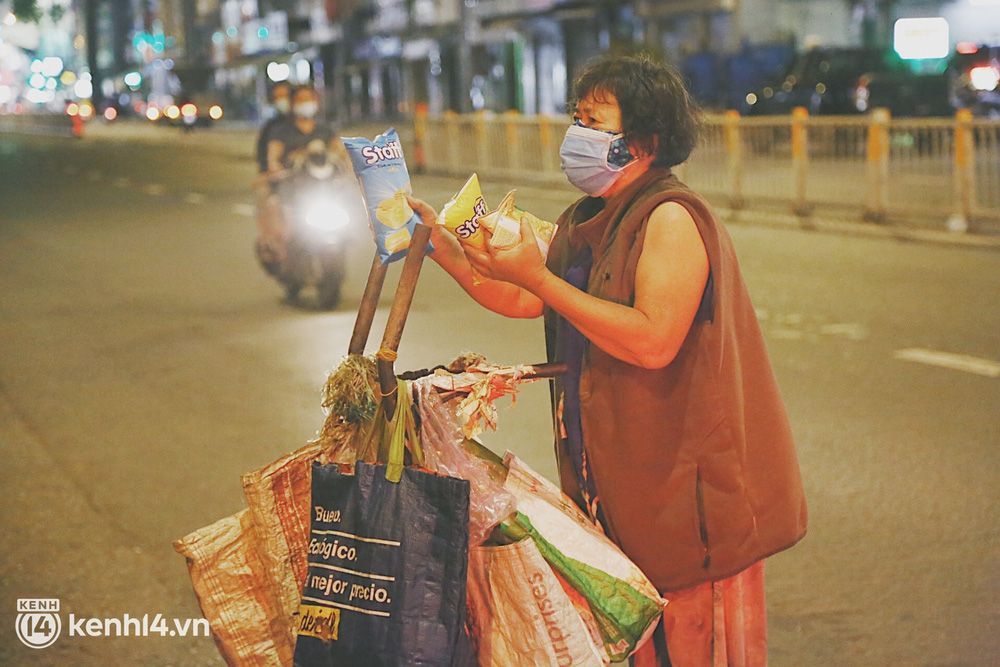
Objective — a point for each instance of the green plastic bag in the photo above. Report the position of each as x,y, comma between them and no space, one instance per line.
624,603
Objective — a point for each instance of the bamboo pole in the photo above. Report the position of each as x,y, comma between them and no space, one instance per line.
397,315
369,304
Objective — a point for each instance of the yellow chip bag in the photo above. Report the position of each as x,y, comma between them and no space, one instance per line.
461,214
504,225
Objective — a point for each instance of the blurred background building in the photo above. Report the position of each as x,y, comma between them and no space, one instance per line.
380,59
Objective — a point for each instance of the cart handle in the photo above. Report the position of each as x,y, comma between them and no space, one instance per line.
397,315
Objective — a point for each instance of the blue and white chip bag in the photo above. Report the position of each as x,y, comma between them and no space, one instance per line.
381,169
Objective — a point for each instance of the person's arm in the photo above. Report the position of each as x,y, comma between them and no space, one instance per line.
338,151
500,297
275,152
670,279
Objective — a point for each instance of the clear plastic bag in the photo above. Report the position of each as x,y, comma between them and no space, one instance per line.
441,438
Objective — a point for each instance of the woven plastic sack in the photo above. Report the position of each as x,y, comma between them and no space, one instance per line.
232,589
253,618
519,614
623,601
278,500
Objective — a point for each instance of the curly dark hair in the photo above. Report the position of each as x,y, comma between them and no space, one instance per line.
658,113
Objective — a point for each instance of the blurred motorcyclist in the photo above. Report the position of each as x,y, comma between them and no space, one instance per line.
270,228
281,103
289,146
289,141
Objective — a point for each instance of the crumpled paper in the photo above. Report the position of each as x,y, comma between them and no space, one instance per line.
483,383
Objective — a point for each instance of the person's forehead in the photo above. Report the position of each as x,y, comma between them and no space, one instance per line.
305,92
599,102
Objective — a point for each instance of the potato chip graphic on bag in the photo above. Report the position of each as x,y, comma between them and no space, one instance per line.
461,214
381,169
394,212
504,225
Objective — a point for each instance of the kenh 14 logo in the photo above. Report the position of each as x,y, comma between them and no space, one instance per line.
38,623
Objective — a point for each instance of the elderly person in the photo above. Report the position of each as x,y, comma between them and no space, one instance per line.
671,432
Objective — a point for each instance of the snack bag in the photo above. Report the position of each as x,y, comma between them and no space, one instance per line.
381,169
504,225
461,214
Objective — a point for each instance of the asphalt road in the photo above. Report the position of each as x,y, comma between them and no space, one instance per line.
146,362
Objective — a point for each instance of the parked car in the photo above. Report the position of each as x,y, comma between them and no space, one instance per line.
845,81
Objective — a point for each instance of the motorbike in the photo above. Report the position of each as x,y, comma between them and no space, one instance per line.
320,206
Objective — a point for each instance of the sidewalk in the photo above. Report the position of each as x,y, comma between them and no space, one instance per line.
238,140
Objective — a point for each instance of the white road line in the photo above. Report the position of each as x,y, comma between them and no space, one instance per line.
244,209
155,190
848,330
958,362
783,333
121,183
195,198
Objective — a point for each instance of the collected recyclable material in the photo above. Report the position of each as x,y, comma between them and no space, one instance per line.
397,537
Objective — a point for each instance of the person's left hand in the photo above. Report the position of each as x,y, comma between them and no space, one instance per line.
522,265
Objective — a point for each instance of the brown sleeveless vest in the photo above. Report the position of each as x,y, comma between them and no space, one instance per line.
694,463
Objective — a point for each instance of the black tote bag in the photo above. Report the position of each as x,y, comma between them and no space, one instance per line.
388,561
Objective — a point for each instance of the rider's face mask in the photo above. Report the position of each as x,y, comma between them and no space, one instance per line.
306,109
593,159
282,105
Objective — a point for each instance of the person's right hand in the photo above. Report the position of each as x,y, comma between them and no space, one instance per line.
426,212
440,238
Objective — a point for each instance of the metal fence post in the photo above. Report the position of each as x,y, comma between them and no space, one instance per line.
513,145
451,131
800,158
878,166
962,172
420,138
482,149
545,145
734,158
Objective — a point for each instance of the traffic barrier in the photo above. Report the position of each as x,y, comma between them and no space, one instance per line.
925,172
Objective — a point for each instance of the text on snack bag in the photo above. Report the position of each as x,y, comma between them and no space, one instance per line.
471,226
391,151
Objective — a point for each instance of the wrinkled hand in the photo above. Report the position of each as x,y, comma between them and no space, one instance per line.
426,212
522,265
440,238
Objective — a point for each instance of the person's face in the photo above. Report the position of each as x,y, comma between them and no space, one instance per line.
280,94
599,110
304,96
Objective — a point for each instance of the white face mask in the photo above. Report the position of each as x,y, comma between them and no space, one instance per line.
282,105
306,109
593,160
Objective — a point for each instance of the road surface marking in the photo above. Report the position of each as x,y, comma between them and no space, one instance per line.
121,183
848,330
244,209
958,362
782,333
195,198
94,176
155,190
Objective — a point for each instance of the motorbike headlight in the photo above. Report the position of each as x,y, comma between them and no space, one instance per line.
327,216
984,78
